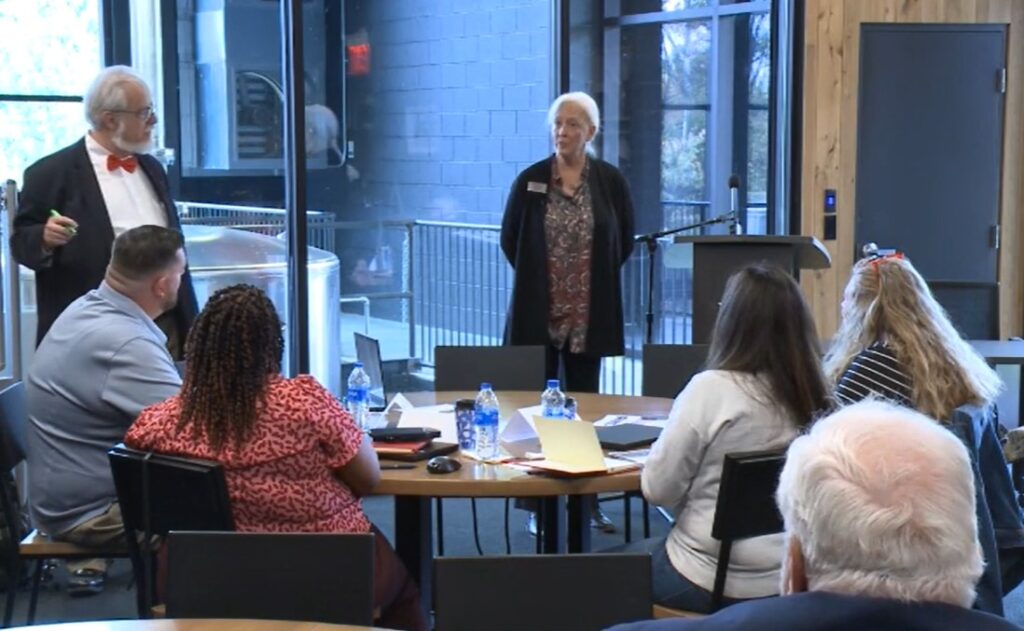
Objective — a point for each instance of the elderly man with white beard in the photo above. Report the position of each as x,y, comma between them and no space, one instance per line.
76,201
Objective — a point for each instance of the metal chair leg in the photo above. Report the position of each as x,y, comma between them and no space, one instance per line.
647,519
627,517
13,574
440,528
37,578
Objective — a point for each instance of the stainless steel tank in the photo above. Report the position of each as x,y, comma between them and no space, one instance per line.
220,257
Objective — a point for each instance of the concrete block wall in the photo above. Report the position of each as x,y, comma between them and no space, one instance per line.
456,106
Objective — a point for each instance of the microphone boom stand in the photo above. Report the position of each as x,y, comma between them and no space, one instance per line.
651,240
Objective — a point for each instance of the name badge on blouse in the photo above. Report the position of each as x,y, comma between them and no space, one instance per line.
537,187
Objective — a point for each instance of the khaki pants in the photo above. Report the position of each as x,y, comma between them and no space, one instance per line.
100,531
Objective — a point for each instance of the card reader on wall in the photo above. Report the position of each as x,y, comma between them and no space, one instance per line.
830,215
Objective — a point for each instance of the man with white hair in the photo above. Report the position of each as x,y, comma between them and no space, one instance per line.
878,502
75,201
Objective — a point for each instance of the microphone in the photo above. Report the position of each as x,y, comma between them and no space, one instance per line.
734,202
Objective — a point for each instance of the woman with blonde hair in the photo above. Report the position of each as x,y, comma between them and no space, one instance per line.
896,342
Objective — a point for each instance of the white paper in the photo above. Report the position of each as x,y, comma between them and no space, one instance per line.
439,417
520,425
400,403
612,420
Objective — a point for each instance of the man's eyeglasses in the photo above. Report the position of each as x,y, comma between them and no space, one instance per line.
144,114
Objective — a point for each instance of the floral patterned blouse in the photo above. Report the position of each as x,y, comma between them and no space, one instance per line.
569,235
282,479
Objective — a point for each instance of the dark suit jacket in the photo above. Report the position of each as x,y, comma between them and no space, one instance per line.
65,181
822,611
522,240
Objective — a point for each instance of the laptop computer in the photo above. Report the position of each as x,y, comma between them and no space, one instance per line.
368,352
571,448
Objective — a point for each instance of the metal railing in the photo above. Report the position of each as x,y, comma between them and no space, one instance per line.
437,283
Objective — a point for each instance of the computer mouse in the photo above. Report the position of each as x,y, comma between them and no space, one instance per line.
443,464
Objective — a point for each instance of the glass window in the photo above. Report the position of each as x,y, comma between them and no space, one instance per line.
691,80
419,116
41,61
686,62
49,46
33,130
635,7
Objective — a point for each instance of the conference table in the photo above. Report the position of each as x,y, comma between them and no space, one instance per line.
198,624
414,489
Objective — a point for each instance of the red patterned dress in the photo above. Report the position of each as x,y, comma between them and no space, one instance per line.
281,479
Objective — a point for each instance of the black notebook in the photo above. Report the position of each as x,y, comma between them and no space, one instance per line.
627,436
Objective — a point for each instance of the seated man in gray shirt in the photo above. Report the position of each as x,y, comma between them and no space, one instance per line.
103,361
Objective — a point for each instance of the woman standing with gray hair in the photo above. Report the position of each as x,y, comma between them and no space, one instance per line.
567,230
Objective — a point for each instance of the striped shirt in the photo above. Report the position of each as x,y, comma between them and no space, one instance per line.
875,371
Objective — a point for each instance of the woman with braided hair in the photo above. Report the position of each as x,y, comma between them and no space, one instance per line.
293,457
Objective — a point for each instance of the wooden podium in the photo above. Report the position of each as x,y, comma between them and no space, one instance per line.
715,258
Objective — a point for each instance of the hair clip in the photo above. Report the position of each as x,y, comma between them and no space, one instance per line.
879,258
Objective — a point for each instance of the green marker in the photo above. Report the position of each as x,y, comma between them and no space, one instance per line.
71,230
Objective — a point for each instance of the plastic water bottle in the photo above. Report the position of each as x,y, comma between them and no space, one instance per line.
485,419
358,394
552,401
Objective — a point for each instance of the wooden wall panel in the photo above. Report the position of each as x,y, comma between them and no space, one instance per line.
831,72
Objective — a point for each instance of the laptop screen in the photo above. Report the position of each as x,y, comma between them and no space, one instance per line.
368,352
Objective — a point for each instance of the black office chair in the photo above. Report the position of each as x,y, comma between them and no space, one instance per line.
505,367
583,592
669,367
160,493
20,545
302,576
746,506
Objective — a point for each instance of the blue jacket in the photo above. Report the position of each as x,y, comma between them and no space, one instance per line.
1000,530
823,611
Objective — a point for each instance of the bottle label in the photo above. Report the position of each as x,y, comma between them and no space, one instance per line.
357,395
486,417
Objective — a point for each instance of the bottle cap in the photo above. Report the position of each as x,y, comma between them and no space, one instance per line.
553,384
485,385
357,365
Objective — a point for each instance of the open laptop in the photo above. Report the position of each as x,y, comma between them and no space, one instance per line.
368,352
571,448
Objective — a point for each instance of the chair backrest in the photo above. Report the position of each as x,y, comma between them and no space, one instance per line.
169,492
368,352
746,496
746,506
669,367
505,367
13,420
541,592
314,577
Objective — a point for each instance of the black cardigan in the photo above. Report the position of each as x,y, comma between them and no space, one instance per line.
522,241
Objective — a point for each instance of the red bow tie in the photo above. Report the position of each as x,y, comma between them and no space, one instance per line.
128,164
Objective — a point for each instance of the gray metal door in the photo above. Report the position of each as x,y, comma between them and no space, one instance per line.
929,154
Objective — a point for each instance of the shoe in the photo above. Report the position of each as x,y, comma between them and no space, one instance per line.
600,521
86,582
531,524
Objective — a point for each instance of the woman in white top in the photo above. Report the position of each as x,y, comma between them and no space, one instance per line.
763,384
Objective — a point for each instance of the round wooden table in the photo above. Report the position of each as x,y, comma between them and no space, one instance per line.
198,624
414,489
477,479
